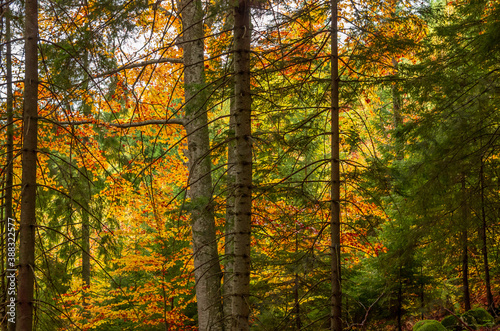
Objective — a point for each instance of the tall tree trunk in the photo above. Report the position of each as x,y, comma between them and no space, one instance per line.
3,254
206,259
243,166
484,248
465,255
398,147
336,300
85,189
29,152
229,226
9,176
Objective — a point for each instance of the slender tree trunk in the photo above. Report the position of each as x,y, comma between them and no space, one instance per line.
465,271
229,227
396,114
422,297
206,259
85,256
85,249
85,189
298,322
3,254
465,255
9,213
243,182
400,300
484,247
28,187
336,300
398,144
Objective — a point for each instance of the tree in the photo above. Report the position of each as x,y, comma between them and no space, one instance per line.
243,167
336,317
206,259
27,228
9,158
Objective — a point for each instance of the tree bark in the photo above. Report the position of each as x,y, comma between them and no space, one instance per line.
85,249
85,188
243,167
206,259
396,114
484,247
85,256
465,255
229,226
336,300
296,287
400,301
398,144
28,182
9,213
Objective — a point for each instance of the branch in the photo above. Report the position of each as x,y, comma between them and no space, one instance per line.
148,122
140,64
460,320
125,125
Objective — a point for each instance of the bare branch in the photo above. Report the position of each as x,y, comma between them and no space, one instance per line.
140,64
148,122
125,125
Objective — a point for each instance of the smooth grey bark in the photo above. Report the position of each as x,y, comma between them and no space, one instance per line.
28,182
229,226
243,167
336,299
207,271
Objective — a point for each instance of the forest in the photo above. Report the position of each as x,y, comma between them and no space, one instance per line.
250,165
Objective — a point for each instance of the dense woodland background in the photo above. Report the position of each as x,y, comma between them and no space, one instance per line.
157,150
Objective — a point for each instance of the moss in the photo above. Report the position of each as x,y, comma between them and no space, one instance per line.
428,325
478,317
451,322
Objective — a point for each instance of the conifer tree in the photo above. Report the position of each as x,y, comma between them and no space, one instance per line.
27,228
